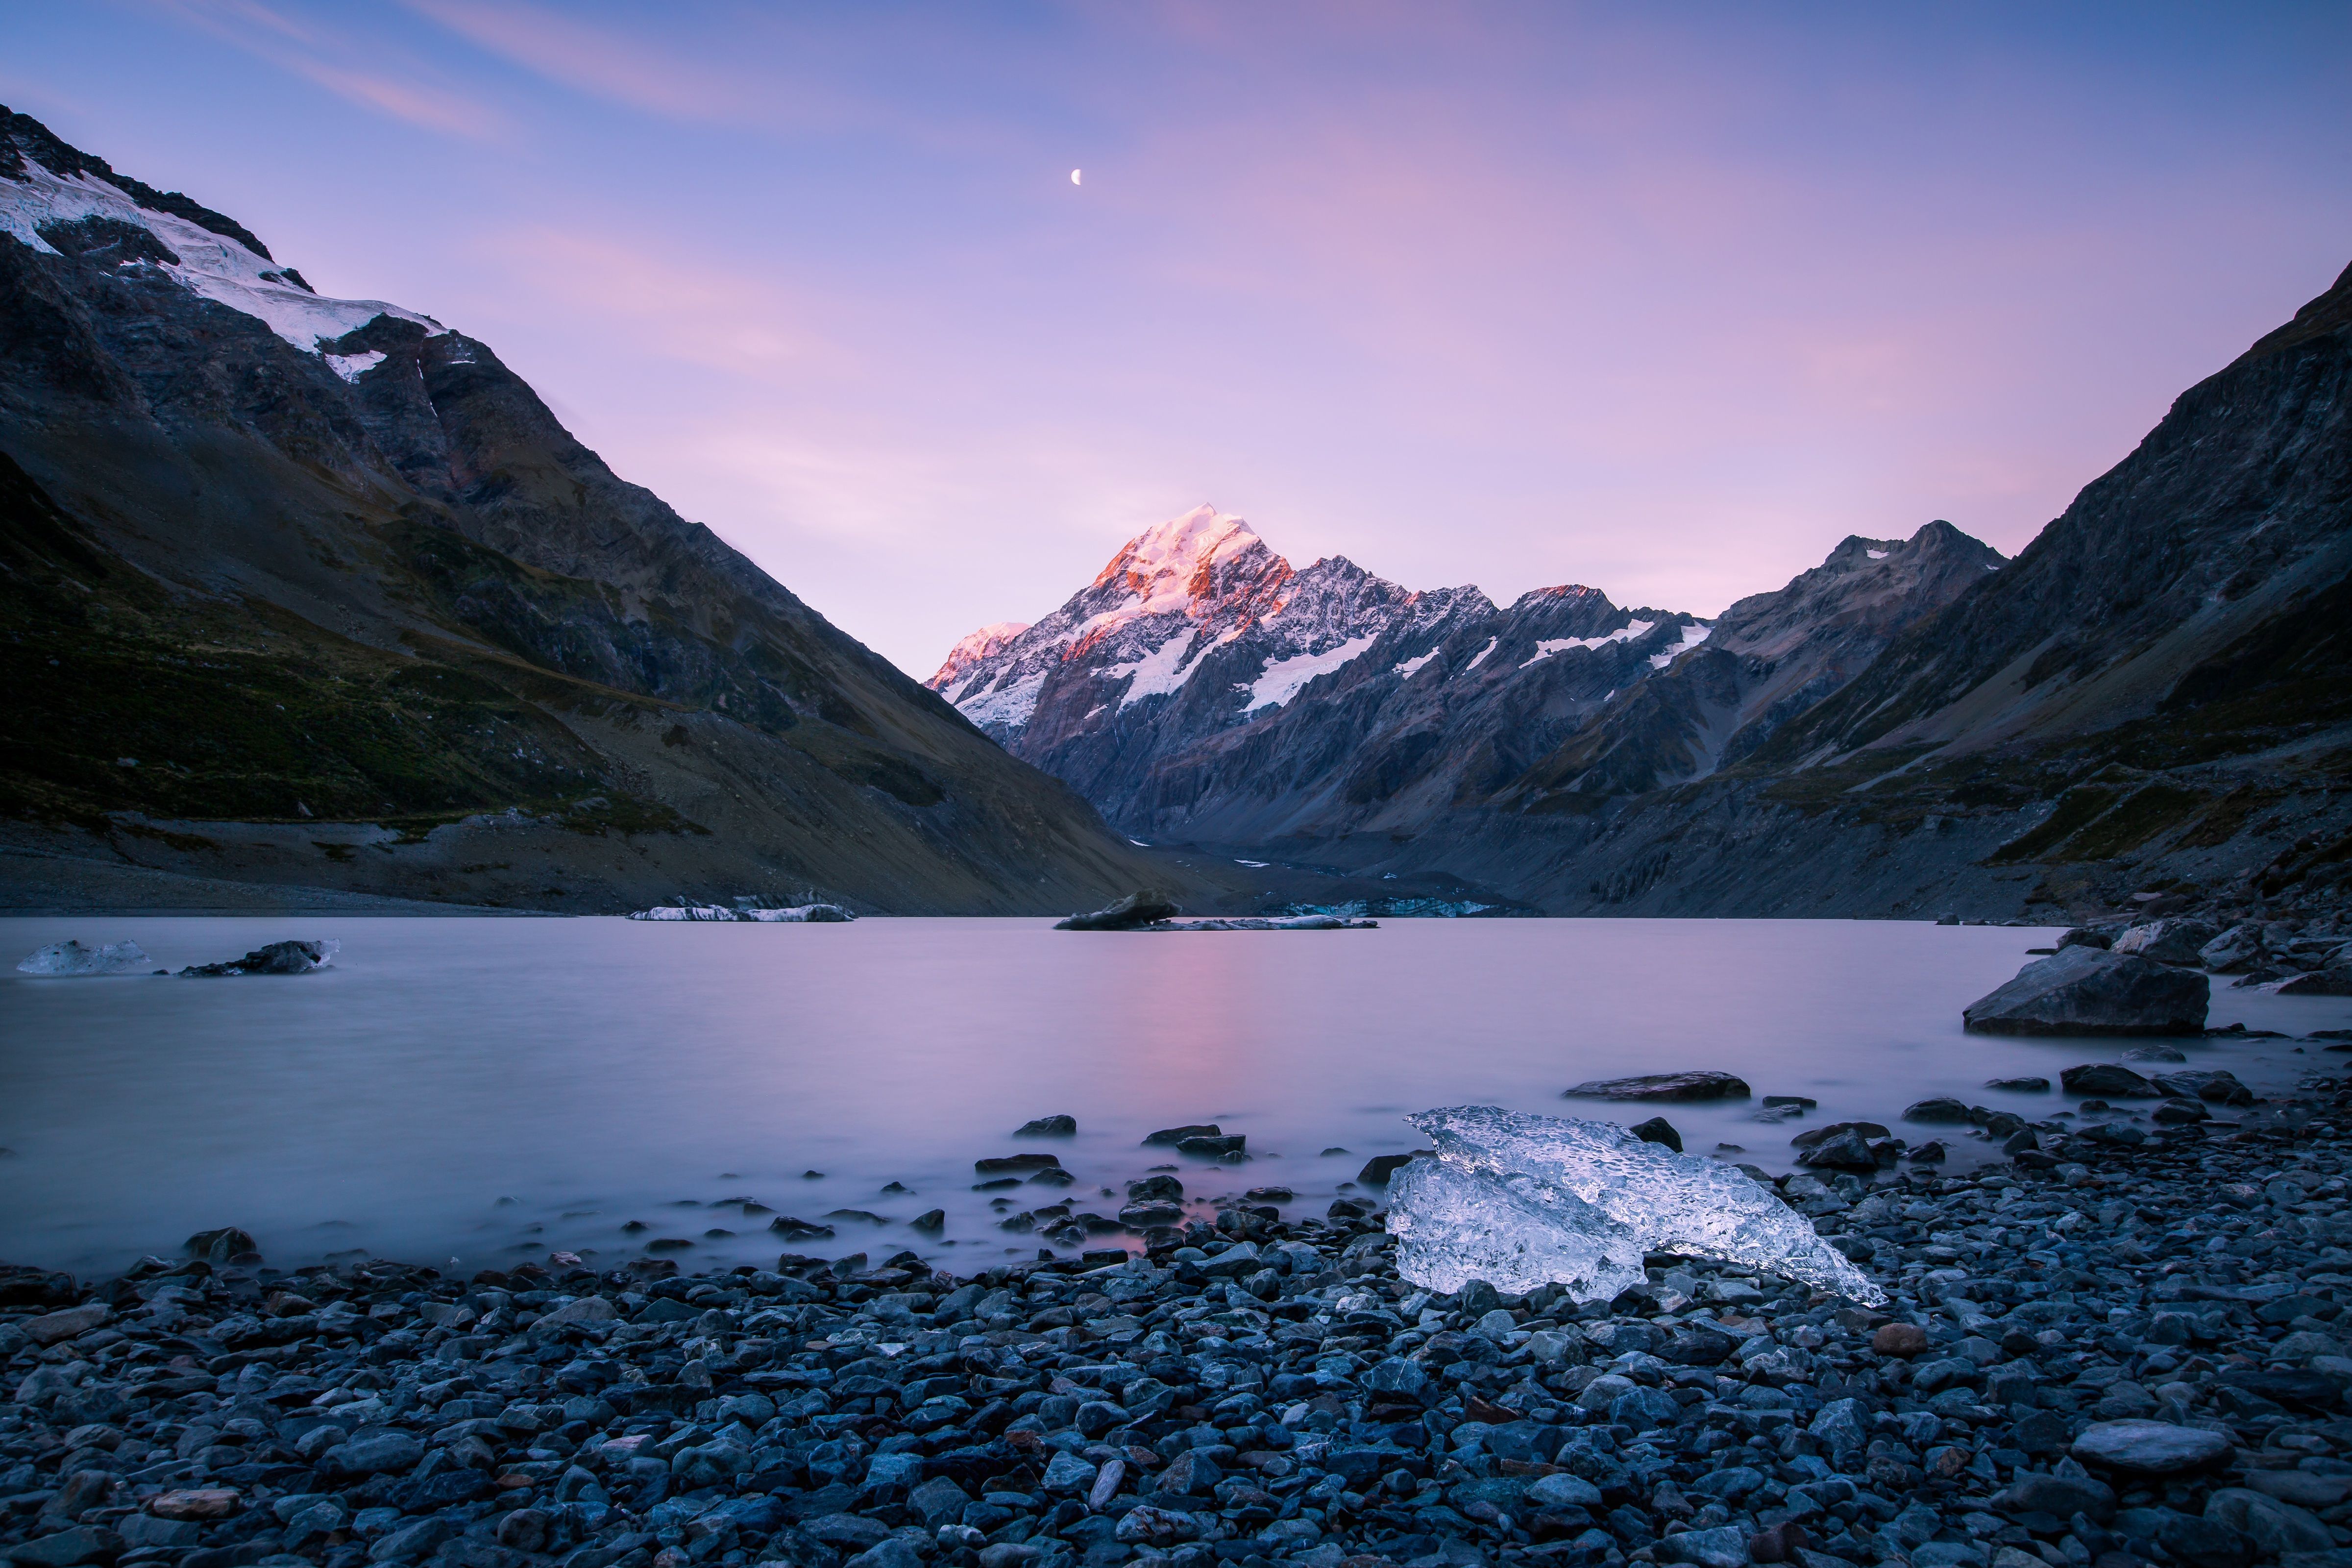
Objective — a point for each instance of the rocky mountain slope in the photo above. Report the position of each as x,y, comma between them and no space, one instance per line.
312,591
2151,705
1201,689
1204,688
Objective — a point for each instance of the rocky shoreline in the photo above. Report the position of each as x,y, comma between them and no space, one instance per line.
2124,1352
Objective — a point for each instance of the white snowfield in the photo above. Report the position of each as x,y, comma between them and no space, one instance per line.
1525,1201
1626,632
72,958
1008,704
350,367
1412,667
211,265
1287,677
1165,669
1692,634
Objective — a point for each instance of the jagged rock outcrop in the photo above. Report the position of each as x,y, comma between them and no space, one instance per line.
1771,657
306,590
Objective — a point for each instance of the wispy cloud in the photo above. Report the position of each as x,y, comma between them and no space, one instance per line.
606,63
348,68
670,306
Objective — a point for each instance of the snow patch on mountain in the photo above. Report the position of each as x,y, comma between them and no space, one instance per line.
1692,634
211,265
350,367
1159,672
1285,677
1630,631
1412,667
1011,702
1480,657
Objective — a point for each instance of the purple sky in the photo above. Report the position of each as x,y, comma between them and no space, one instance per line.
1663,300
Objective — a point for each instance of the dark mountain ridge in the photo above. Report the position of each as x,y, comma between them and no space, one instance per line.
310,591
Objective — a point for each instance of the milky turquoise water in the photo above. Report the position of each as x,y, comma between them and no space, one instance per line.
601,1071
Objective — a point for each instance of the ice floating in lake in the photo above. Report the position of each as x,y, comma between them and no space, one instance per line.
1267,922
73,958
810,914
1524,1201
277,958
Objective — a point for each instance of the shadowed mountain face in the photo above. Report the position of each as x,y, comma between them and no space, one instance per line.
310,591
2152,703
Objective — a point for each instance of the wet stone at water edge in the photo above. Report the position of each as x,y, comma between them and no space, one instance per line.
2120,1355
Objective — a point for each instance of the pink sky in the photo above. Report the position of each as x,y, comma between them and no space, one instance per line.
1664,301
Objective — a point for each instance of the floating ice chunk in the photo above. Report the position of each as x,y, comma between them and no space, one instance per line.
277,958
809,914
73,958
1269,922
1522,1201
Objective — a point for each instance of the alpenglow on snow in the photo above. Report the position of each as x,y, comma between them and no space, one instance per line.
1525,1201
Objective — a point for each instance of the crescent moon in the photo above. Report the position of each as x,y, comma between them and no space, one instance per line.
1074,177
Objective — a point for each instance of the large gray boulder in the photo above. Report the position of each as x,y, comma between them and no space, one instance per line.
2235,950
2177,939
1135,910
2082,991
1668,1086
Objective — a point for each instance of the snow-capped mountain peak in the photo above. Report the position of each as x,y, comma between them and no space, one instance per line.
61,202
1179,557
979,646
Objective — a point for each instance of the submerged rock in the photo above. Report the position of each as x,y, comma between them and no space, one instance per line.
2082,991
1658,1130
2217,1085
1523,1200
277,958
2333,981
1174,1135
2108,1078
70,958
1139,909
1049,1127
1673,1086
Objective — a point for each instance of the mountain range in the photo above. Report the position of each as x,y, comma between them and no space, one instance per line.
317,592
2152,704
308,592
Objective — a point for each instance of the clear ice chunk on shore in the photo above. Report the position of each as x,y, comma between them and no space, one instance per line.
73,958
1524,1201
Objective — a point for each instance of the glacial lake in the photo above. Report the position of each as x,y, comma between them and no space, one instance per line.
487,1090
